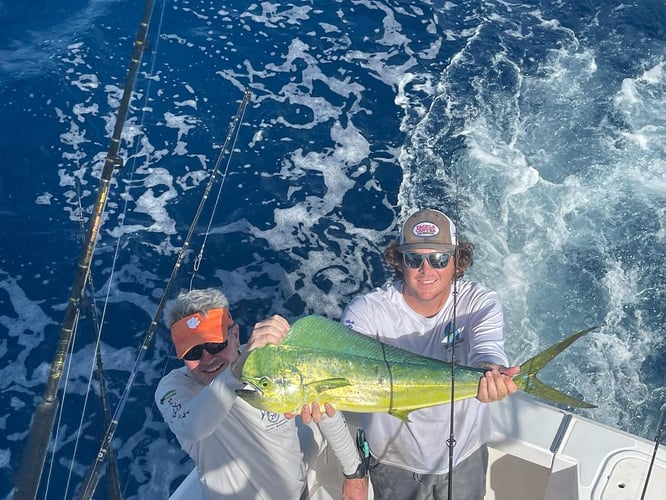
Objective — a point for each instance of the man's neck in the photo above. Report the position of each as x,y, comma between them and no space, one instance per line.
426,307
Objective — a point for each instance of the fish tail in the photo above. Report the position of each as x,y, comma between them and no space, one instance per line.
527,379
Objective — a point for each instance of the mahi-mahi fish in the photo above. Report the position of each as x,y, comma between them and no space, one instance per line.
325,361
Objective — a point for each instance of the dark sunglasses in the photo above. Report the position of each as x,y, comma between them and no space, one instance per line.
196,352
437,260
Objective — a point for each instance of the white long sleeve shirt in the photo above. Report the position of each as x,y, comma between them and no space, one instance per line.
420,445
240,451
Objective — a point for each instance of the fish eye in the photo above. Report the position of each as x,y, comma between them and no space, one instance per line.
264,382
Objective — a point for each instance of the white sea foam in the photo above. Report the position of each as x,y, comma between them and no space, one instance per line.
560,185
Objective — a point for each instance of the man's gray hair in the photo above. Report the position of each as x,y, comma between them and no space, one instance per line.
195,301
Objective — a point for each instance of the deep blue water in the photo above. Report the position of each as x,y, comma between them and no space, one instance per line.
539,125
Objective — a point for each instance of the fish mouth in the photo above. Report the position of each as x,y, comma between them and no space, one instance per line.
251,392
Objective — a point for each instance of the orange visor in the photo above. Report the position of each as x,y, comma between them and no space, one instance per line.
200,328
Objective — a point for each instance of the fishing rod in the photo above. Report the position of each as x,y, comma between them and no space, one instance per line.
657,441
113,481
92,477
451,441
113,476
34,454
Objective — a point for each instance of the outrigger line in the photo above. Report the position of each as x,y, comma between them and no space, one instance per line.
34,454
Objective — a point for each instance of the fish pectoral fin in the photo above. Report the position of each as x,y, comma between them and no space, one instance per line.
328,384
401,414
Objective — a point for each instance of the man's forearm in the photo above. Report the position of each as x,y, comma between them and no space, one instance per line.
337,434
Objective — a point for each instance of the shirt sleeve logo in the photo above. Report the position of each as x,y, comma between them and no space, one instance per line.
168,395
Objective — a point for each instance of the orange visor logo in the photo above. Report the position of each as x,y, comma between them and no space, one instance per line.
200,328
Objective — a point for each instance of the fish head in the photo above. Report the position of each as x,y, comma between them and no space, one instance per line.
273,383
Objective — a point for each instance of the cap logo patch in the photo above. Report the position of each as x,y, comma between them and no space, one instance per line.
425,229
193,322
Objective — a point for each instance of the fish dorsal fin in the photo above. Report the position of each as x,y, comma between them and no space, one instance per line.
317,332
322,334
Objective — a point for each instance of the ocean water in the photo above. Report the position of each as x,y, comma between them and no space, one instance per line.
539,126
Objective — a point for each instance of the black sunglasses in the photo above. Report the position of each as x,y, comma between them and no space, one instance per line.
437,260
196,352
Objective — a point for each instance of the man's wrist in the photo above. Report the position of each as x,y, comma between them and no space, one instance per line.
361,472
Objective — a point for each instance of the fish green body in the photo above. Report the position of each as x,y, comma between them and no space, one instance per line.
323,360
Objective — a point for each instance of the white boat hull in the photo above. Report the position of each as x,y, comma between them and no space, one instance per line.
538,452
